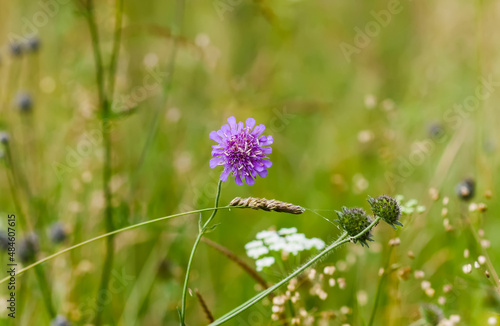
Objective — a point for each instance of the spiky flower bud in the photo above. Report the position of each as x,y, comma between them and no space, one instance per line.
57,233
24,102
34,44
387,208
354,221
28,248
16,49
466,189
267,205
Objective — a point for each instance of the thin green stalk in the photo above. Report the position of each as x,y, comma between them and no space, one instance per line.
40,274
106,235
116,48
379,287
340,241
191,257
105,105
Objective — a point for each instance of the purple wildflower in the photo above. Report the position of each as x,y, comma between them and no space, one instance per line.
241,151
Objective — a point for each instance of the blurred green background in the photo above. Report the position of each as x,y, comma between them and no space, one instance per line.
384,118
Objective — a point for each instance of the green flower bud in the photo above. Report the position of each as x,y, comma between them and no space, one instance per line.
354,221
387,208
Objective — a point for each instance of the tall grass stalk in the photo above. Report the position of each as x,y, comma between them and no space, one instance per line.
14,181
112,233
105,103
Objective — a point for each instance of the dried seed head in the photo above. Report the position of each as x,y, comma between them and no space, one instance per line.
404,273
387,208
354,221
267,205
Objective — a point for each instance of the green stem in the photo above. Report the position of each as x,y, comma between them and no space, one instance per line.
379,287
40,274
116,48
47,296
340,241
105,104
193,251
103,236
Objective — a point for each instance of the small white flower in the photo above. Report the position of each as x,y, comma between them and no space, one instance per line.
265,234
254,244
481,260
285,231
264,262
492,320
467,268
257,252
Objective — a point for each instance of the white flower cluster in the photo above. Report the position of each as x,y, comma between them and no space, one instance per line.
285,240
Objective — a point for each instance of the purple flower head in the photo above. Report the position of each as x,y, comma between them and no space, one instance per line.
241,151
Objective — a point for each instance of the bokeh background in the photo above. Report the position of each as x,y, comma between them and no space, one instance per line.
362,98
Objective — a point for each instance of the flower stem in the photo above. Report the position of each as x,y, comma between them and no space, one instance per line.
191,257
340,241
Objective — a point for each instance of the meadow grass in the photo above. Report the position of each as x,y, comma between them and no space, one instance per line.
410,110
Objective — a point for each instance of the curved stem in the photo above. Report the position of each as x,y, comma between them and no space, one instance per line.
193,251
340,241
103,236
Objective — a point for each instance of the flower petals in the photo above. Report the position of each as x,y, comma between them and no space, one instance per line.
216,161
241,151
232,123
250,123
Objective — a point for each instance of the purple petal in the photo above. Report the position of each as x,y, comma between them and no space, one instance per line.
225,174
267,150
237,179
215,137
216,162
249,180
232,123
240,126
250,123
258,130
267,164
262,173
266,140
225,131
